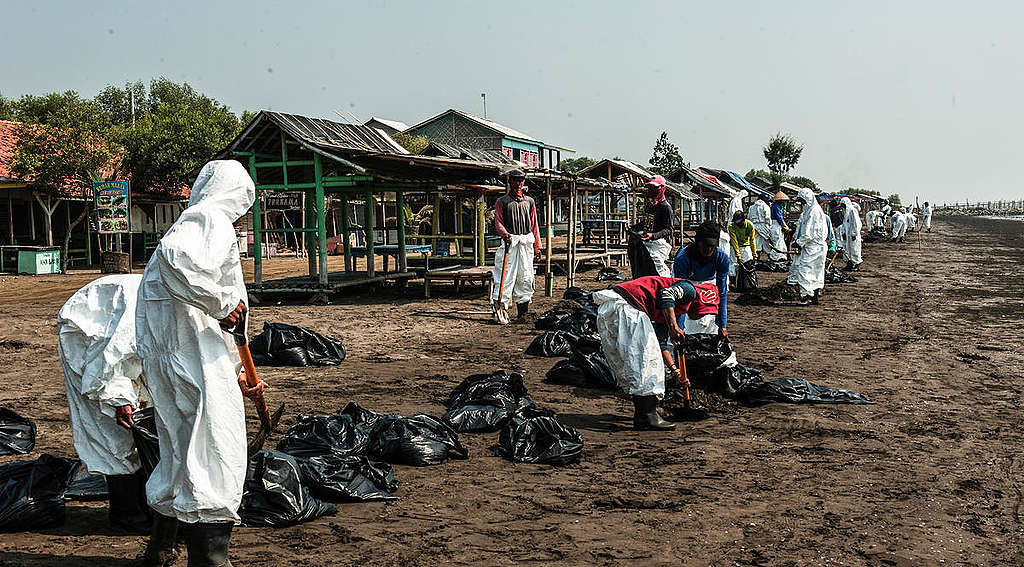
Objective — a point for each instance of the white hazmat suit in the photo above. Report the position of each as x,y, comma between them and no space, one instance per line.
926,216
193,280
808,268
518,273
736,204
899,225
850,231
96,344
760,214
630,345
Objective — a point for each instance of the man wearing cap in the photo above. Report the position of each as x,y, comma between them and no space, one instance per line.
650,242
759,213
515,220
778,247
704,262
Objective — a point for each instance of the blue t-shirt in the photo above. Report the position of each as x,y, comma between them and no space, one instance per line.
716,268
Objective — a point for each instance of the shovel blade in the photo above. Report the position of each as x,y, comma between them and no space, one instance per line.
265,429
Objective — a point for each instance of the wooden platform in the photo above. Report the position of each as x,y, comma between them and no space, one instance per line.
336,281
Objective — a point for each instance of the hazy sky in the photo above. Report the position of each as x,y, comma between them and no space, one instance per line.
916,98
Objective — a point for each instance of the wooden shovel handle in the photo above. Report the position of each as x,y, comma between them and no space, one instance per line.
252,380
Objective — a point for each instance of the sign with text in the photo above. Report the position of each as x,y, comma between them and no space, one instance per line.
113,204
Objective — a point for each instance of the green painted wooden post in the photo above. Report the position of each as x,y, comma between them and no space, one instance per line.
403,264
257,226
435,222
370,225
321,218
310,215
344,233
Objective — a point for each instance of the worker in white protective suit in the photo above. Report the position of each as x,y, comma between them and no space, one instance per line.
777,248
736,204
760,214
899,225
850,234
650,241
191,291
926,216
96,345
807,271
515,220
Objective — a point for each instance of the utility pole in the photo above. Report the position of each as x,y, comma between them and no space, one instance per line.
483,96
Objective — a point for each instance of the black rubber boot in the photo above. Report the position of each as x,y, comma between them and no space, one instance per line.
128,509
521,310
162,548
208,544
816,298
645,414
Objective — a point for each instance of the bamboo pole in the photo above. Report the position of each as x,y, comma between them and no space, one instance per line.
321,219
370,223
403,263
345,233
549,278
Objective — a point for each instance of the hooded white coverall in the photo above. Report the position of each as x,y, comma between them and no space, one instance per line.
899,225
850,231
736,204
926,215
96,344
193,280
760,215
630,345
808,267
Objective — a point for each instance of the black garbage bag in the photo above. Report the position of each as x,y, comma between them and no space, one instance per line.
484,402
363,417
146,443
553,320
611,275
540,440
289,345
86,487
795,391
17,434
552,343
771,266
704,353
877,234
418,440
274,495
833,276
585,369
576,294
32,493
348,479
746,277
528,408
316,435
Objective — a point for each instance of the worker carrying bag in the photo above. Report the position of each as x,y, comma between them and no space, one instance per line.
746,277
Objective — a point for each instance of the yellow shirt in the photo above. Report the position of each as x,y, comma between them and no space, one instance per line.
740,236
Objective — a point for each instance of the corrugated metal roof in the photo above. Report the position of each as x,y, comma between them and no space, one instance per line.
499,128
459,152
400,126
327,133
601,167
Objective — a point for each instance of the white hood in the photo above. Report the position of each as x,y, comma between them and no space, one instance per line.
224,185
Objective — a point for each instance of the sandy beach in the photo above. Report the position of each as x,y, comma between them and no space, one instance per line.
931,474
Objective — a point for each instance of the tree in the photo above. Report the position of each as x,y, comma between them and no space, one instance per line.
176,130
7,108
800,181
63,156
412,144
894,200
781,153
666,159
574,165
753,174
856,191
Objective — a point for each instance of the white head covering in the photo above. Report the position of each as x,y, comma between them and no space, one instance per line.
224,185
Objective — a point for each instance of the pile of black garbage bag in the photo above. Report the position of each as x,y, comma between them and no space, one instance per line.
289,345
572,332
711,366
499,402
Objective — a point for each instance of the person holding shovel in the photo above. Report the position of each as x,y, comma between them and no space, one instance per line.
637,324
515,220
192,292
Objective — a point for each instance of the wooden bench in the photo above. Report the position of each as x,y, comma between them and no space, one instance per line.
458,275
